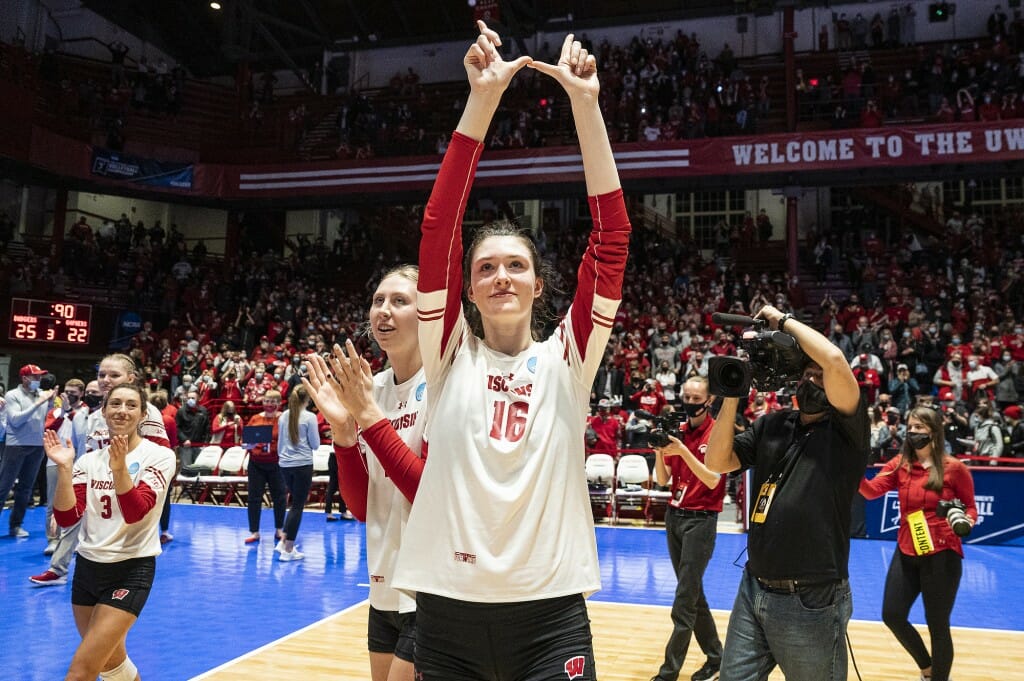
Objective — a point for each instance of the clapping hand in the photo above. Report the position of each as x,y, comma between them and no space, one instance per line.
323,389
118,452
576,70
355,380
61,453
486,70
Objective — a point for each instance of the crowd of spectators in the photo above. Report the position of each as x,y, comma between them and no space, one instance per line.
982,80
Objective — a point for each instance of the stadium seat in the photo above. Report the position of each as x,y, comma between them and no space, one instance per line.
601,481
230,482
190,477
657,503
631,494
321,473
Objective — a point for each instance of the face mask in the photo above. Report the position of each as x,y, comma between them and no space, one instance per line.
33,386
919,440
229,412
956,363
972,364
259,375
906,334
92,401
956,341
1006,358
191,402
812,398
694,410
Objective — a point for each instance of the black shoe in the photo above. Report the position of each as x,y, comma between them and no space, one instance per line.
709,672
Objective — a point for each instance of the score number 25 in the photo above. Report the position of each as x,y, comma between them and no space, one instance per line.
28,332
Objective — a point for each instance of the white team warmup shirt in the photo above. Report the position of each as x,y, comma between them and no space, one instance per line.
104,535
502,512
387,509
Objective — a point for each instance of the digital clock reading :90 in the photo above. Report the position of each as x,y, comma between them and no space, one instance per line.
49,321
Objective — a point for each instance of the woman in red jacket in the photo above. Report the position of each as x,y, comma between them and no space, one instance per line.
929,558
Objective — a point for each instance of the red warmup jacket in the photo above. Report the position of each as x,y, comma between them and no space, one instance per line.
909,482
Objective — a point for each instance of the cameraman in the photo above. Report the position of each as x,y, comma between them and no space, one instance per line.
691,526
806,467
929,561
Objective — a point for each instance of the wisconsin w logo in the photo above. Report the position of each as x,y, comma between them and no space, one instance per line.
574,666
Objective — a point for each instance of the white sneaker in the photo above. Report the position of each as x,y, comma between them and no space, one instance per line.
51,546
294,554
18,532
279,547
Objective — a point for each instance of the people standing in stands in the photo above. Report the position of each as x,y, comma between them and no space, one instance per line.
380,472
691,526
112,497
264,470
193,427
297,439
928,561
90,433
27,407
226,430
501,536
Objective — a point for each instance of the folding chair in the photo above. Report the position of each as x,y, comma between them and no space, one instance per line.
321,474
631,494
657,503
191,477
230,481
601,481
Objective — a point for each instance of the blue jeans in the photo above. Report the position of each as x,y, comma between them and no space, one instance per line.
20,463
804,633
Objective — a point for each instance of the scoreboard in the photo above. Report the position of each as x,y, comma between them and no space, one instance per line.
47,321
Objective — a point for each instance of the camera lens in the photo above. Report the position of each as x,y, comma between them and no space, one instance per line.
732,376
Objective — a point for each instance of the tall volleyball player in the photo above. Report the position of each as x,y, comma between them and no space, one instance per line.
380,473
91,433
117,494
500,546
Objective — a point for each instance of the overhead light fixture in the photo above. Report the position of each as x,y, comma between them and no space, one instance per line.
214,5
471,3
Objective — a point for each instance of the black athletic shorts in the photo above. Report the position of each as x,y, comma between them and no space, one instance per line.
543,640
390,631
124,584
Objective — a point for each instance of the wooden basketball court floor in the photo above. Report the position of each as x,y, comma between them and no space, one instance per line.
223,611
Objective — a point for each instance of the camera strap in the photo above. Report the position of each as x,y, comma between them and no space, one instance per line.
780,471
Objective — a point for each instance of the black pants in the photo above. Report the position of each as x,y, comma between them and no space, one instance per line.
332,488
261,475
298,480
936,578
691,541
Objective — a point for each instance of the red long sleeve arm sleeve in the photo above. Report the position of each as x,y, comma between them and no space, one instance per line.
69,517
136,502
353,479
400,463
885,481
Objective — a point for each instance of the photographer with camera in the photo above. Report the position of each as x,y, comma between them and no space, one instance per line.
27,406
691,526
936,495
806,467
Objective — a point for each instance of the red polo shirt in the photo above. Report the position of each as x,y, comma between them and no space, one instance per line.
687,489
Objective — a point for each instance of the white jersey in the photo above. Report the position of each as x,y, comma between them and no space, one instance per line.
94,433
502,512
387,509
104,535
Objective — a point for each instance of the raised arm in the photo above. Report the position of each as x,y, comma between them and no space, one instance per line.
576,72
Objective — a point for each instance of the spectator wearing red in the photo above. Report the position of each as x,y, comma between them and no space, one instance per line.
649,398
258,385
607,428
871,116
226,429
869,382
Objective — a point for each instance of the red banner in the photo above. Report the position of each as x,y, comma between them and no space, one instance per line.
835,150
827,151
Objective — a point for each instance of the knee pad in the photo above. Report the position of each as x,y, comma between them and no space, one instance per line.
126,671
